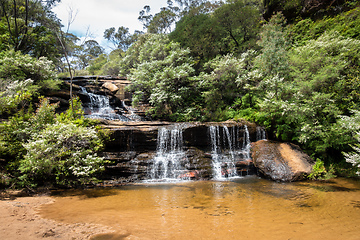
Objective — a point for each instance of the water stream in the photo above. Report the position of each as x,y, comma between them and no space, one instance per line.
99,107
226,150
170,160
260,133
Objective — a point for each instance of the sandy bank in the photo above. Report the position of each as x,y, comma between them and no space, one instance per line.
20,220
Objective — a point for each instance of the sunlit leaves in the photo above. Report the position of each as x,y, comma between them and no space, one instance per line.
62,153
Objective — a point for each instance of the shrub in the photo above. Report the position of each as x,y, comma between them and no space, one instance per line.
352,124
319,171
62,153
14,95
16,66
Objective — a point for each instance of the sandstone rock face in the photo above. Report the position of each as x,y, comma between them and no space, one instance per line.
281,161
133,146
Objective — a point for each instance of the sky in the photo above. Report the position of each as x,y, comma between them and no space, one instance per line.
94,16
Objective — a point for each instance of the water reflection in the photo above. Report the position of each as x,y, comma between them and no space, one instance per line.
247,208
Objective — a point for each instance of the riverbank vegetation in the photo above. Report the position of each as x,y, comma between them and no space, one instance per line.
290,66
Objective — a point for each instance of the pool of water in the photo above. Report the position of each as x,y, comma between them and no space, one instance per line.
245,208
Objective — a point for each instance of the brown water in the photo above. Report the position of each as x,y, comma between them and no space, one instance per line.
248,208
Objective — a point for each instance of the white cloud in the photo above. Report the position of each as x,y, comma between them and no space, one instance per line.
98,15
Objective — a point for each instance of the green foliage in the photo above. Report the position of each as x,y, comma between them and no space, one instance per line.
16,66
193,32
239,22
273,60
62,153
121,39
346,24
86,52
14,95
352,125
319,171
112,66
43,147
160,76
28,27
231,28
219,83
22,125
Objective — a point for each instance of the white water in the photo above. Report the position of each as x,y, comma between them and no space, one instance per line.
131,115
99,107
260,133
168,164
226,150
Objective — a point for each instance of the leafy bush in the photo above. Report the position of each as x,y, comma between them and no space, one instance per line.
160,75
16,66
62,153
319,171
352,124
346,23
14,94
51,148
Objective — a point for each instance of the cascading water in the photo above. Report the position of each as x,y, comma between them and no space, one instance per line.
131,115
168,164
226,150
99,107
260,133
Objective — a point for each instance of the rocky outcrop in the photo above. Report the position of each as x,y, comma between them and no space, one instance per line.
111,87
133,146
281,161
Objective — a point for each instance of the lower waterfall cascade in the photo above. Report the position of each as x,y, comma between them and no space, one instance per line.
226,151
229,155
170,160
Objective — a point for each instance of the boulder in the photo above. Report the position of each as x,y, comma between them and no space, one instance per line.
110,86
281,161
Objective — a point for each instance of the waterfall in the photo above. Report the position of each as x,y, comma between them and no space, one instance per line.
226,151
99,107
260,133
168,164
131,115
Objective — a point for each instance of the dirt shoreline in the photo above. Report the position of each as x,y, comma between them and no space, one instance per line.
20,220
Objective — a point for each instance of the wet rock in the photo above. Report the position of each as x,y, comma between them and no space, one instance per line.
133,146
281,161
190,175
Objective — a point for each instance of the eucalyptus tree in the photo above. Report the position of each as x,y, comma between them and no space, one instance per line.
88,51
27,26
163,21
239,21
122,38
161,71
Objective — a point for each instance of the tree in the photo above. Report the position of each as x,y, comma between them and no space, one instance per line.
122,39
275,43
199,33
352,124
239,20
219,83
162,21
29,25
161,76
88,51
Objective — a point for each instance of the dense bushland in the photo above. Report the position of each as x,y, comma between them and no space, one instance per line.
38,146
298,80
